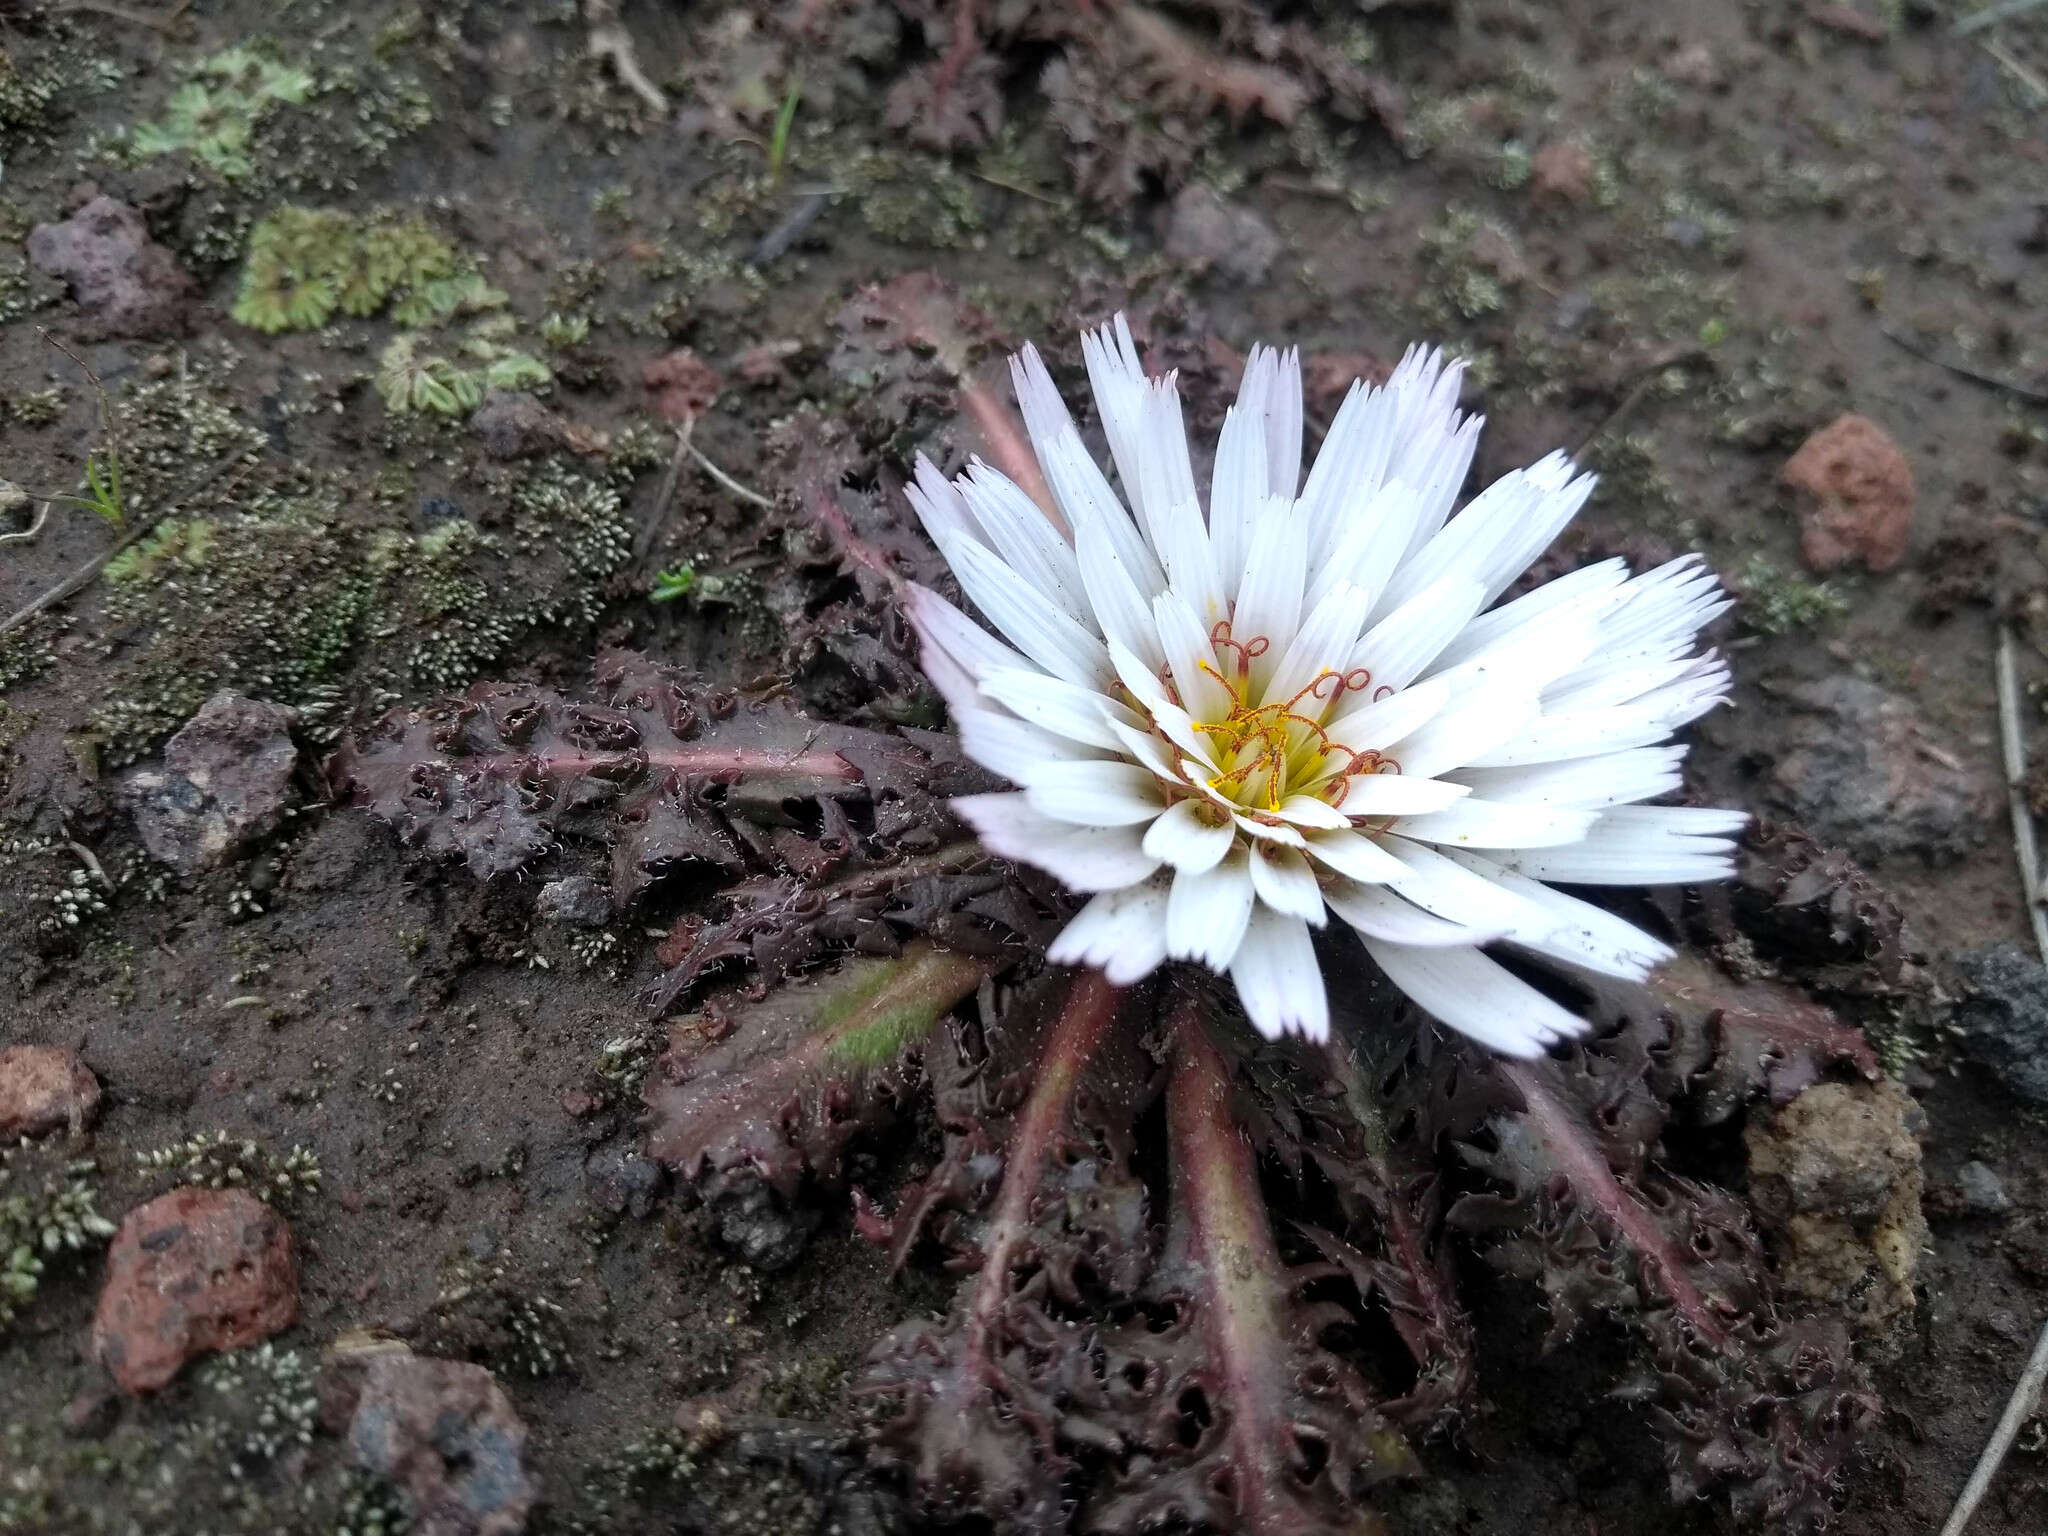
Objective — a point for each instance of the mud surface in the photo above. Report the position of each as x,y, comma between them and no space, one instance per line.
1680,237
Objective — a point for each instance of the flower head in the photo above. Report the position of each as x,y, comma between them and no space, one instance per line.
1309,700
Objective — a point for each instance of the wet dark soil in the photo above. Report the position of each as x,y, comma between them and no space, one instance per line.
1767,197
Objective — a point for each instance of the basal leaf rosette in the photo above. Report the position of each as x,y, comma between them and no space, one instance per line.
1232,716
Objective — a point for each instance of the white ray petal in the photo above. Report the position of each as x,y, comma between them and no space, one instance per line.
1366,726
1006,745
1123,611
1084,858
1367,546
1190,564
1275,582
1286,882
1401,645
1056,705
1477,997
1118,381
1283,425
1277,978
1490,824
1196,673
1096,794
1591,783
1580,934
1596,589
1121,933
1237,490
1307,812
1356,857
1190,837
1448,889
1378,913
1076,480
940,506
939,623
1024,536
1398,794
1208,911
1641,845
1048,635
1471,726
1321,646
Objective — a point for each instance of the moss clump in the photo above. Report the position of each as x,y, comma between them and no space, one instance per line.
461,597
1776,601
37,407
214,116
306,265
223,1162
47,1213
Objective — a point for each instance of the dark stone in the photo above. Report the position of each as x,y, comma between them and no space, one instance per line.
624,1183
517,426
2004,1017
1982,1190
226,781
752,1220
1204,233
444,1434
577,900
1863,768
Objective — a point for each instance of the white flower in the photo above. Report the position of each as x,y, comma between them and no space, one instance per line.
1229,726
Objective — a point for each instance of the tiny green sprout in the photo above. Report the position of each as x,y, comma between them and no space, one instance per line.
410,380
104,496
560,330
103,480
672,584
1713,331
785,119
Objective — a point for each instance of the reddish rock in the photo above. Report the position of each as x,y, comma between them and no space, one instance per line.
684,385
45,1088
192,1272
1855,489
125,283
1561,172
444,1434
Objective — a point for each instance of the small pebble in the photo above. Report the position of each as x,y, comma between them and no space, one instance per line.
1982,1190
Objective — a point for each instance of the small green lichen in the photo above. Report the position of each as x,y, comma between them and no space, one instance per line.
214,116
306,265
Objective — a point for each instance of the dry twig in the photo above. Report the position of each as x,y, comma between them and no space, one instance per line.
89,572
2025,1398
2014,751
610,43
27,535
1963,370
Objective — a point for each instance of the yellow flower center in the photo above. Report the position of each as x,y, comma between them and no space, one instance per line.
1267,752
